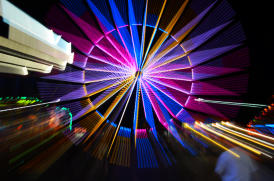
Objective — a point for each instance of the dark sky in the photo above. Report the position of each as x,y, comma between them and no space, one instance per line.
256,18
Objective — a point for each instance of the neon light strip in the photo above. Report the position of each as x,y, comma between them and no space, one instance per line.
209,139
112,93
231,103
153,34
143,34
167,31
118,127
167,70
107,113
167,85
108,96
161,101
126,66
95,43
182,35
136,111
252,132
23,107
118,50
134,33
118,20
241,135
99,80
169,61
232,140
151,83
108,62
106,70
174,77
105,88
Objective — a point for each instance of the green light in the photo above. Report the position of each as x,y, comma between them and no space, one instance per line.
20,101
70,114
70,124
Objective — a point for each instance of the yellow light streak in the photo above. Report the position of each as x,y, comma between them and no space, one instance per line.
249,138
229,139
111,78
107,87
144,31
252,132
104,99
209,139
109,110
118,127
138,104
168,30
154,31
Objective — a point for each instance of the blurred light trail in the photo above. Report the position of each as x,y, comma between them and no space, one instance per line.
209,139
109,110
153,34
241,135
180,35
119,124
256,151
245,130
23,107
231,103
167,30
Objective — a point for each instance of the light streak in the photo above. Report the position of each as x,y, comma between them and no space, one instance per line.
249,138
108,111
23,107
105,79
118,127
117,49
134,33
143,34
79,22
153,34
107,70
136,111
231,103
245,130
167,69
114,57
169,61
168,85
162,102
118,21
107,62
173,77
167,31
152,84
108,96
32,148
105,88
209,139
258,152
182,34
